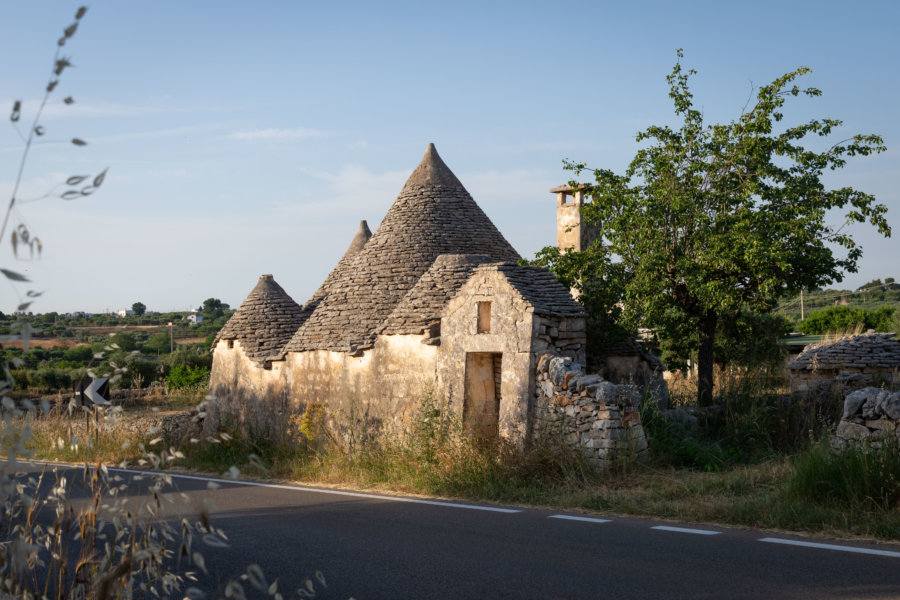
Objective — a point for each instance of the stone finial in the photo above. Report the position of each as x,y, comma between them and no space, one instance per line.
432,171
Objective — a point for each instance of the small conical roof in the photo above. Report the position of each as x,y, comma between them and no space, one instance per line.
359,241
264,322
433,215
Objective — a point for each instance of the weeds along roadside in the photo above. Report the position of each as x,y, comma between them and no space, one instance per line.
739,465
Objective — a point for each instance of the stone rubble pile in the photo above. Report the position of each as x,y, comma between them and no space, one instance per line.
597,417
871,415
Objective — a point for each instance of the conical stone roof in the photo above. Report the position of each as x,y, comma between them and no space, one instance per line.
433,215
358,243
264,322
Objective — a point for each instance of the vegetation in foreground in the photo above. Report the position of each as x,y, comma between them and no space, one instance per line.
755,461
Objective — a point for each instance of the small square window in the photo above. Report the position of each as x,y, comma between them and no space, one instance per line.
484,317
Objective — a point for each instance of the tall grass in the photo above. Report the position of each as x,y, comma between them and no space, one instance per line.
861,476
432,454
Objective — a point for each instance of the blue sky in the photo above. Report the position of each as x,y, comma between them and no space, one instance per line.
251,138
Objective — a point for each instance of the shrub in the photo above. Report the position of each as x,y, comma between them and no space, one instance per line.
181,376
844,318
82,354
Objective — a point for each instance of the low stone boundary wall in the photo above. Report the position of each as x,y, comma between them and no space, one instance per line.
596,417
871,415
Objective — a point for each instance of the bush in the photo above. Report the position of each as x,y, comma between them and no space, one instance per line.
182,376
81,354
839,319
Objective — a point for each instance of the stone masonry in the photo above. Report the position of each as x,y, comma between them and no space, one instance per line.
871,415
597,417
869,358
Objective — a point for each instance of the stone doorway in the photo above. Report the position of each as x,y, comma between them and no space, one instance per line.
481,405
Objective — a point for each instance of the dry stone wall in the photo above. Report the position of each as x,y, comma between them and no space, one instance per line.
596,417
871,415
866,358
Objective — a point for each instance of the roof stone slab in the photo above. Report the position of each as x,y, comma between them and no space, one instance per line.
858,351
264,322
541,289
433,215
338,272
424,303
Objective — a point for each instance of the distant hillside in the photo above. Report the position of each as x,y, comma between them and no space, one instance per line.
872,295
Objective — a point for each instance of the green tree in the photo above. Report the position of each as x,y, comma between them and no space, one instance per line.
714,220
139,308
212,308
125,341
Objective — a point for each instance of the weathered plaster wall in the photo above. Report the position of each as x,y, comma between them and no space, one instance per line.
511,327
246,395
381,386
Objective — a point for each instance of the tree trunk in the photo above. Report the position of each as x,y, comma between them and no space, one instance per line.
705,358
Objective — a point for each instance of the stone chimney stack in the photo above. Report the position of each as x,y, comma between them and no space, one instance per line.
571,231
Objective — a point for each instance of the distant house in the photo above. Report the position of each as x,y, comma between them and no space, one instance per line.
79,314
194,318
125,312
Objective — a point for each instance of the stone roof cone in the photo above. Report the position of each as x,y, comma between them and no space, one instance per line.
363,234
433,215
264,322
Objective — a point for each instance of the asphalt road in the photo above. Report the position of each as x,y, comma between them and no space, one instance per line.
368,546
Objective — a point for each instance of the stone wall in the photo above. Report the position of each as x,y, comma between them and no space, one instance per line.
246,396
381,386
871,415
512,324
598,418
869,358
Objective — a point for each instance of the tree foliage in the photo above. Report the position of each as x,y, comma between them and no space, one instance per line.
139,308
714,221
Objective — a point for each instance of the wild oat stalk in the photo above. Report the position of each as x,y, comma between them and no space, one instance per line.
77,188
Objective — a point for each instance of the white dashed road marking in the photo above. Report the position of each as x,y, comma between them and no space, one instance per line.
585,519
832,547
686,530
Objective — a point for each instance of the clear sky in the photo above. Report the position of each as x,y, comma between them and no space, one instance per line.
248,138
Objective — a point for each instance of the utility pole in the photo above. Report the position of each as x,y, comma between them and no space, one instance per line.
171,337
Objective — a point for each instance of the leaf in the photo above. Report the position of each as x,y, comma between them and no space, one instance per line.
70,30
88,190
52,85
39,245
14,240
214,541
70,195
39,130
33,294
80,13
23,306
198,560
98,180
76,179
69,100
12,275
16,111
79,142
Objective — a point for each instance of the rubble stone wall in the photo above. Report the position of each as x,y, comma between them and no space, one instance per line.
596,417
871,415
